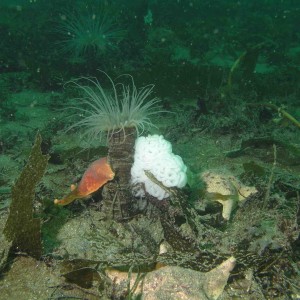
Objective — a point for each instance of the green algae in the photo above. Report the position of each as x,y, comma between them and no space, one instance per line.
21,228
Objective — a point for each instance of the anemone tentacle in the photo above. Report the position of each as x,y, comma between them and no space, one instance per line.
112,112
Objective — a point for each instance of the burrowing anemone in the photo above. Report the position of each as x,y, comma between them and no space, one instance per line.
120,114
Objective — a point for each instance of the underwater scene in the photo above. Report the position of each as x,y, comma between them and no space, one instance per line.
149,149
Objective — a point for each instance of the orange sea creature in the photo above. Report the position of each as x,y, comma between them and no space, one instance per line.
97,174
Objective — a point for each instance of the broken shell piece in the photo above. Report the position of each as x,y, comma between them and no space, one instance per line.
226,189
164,247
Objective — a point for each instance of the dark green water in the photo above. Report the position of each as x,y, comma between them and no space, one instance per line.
219,79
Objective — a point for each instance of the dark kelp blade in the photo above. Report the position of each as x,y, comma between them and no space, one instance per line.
21,228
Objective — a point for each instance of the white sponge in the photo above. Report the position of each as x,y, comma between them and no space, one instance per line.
154,154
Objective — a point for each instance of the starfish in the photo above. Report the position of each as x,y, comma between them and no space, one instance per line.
227,190
174,282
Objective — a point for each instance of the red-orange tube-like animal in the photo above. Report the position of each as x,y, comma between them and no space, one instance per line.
98,173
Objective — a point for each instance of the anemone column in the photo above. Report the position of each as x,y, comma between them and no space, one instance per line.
117,196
